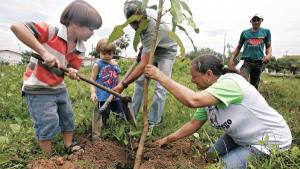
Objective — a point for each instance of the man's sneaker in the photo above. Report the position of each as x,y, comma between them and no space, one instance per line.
150,131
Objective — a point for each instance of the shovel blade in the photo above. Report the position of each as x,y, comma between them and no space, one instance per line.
129,113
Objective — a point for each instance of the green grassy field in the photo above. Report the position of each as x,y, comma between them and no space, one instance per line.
18,144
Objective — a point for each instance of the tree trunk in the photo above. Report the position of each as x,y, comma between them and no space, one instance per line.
139,153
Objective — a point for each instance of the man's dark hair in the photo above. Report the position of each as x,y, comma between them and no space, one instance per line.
133,7
207,62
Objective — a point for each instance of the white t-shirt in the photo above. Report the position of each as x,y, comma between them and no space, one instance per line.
245,115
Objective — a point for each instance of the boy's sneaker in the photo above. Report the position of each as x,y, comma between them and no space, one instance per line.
74,148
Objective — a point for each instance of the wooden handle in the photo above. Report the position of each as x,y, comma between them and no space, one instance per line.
86,79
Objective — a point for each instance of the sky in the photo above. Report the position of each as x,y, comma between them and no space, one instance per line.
219,21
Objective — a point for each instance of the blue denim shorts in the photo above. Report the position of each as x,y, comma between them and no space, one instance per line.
51,114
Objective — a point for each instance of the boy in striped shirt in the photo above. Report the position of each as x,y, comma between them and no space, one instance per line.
44,88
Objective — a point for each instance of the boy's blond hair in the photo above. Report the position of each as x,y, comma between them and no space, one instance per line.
104,46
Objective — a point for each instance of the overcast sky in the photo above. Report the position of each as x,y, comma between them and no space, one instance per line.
216,20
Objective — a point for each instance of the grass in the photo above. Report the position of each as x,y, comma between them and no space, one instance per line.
18,144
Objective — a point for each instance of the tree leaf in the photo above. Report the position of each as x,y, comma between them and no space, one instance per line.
116,33
3,159
143,25
191,23
118,30
15,128
176,11
175,38
144,4
182,29
4,140
154,7
134,133
186,7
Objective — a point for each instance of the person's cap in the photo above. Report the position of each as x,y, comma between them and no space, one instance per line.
132,7
257,16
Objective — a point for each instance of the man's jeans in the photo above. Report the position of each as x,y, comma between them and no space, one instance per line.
157,107
232,154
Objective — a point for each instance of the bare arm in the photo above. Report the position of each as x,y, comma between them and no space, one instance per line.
183,94
93,77
234,55
136,73
268,56
25,36
186,130
139,70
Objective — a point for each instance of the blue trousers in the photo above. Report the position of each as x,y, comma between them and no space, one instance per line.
157,106
234,155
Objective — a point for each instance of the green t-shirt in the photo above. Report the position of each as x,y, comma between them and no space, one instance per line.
254,43
227,91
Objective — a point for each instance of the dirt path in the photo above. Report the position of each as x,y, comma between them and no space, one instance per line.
104,154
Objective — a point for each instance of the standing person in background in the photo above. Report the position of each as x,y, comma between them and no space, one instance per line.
44,88
254,41
165,53
251,127
105,72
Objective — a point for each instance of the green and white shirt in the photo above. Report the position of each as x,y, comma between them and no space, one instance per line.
245,115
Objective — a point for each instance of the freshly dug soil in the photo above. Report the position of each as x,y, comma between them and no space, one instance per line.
104,154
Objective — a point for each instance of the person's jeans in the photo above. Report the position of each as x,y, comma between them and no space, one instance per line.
156,110
234,155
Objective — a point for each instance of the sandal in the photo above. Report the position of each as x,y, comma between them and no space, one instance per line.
75,149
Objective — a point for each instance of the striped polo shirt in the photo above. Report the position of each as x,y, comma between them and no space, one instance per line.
41,79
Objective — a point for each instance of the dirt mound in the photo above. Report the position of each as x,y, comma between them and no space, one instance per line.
183,153
109,154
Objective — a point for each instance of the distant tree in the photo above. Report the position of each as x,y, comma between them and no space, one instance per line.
122,43
94,53
26,56
272,65
290,63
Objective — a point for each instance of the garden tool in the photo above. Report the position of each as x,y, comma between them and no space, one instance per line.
130,115
125,99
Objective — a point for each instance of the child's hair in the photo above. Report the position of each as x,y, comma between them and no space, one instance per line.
81,13
103,46
208,61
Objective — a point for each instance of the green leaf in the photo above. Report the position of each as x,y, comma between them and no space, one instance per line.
154,7
196,135
295,152
116,33
4,140
182,29
175,38
3,159
176,11
144,4
134,133
191,23
143,25
118,30
186,7
15,128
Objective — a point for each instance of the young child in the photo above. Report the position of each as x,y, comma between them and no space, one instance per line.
44,88
105,72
